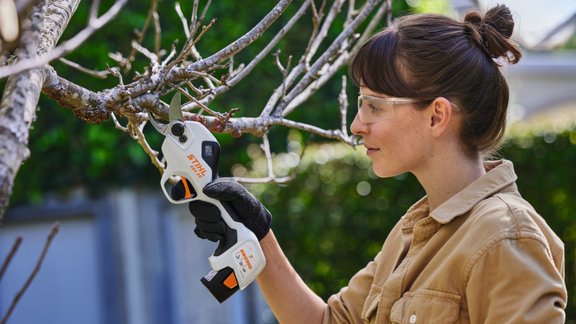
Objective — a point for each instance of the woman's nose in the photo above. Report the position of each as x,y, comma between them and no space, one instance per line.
357,127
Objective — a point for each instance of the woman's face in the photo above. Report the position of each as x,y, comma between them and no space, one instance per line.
396,142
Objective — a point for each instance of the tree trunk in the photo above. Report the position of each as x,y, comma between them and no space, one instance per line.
42,30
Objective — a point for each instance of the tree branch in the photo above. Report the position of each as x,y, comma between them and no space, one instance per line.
325,58
18,108
10,255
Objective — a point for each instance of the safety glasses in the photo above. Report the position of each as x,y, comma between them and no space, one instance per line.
373,109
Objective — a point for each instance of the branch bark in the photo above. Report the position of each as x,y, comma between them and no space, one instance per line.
42,29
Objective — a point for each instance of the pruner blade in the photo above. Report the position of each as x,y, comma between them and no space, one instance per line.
174,113
160,127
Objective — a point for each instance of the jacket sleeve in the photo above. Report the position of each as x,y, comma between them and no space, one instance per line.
346,306
515,280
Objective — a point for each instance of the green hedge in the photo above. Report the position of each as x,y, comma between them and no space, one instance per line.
334,216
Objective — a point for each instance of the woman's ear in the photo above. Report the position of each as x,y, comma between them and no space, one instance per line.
440,116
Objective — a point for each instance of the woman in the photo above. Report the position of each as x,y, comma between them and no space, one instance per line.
432,102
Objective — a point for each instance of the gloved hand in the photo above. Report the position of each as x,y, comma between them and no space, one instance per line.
234,197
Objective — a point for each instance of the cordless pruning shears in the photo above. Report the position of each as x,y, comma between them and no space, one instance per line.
192,154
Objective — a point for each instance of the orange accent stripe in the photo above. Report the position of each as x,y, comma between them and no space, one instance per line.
231,282
187,192
246,259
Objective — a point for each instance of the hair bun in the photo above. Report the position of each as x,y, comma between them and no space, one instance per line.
493,32
500,18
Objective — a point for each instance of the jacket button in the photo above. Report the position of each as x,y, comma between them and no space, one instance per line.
413,318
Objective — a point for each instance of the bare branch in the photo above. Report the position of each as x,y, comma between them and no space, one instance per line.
204,107
245,71
32,275
94,8
96,74
66,47
389,17
140,35
343,104
117,123
182,19
190,43
309,84
136,127
18,107
317,68
144,51
194,18
157,32
188,30
385,9
177,74
323,32
271,177
10,255
237,45
268,154
87,105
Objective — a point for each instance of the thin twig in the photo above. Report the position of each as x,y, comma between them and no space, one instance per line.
194,19
385,9
331,52
280,180
197,102
144,51
67,46
10,255
139,136
117,123
94,73
258,58
187,29
269,165
142,33
343,104
32,275
268,154
157,32
94,8
182,19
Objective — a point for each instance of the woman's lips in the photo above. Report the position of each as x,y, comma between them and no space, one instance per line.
371,150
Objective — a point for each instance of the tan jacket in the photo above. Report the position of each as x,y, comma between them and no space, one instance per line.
483,256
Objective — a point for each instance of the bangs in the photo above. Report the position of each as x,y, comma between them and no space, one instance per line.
377,66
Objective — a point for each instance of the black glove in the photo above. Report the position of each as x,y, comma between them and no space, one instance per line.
238,201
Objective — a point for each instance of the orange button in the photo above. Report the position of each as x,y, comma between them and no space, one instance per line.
231,282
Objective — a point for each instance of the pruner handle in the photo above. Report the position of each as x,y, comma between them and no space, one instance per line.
237,260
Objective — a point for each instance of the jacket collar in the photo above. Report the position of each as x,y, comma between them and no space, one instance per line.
500,176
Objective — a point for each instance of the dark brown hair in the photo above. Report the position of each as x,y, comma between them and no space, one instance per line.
427,56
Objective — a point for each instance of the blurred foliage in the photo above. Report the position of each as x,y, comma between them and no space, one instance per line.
335,215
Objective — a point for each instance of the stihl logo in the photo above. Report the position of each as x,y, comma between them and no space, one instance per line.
196,166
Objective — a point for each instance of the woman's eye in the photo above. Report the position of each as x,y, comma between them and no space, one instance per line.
373,108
